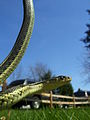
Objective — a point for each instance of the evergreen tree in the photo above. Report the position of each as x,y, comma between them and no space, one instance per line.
86,41
66,90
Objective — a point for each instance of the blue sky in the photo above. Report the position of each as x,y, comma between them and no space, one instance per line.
59,26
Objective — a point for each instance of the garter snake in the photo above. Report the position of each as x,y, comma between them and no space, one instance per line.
15,94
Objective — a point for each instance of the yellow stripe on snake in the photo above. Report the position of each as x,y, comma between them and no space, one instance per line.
15,94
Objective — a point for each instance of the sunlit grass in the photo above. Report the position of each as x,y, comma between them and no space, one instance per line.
48,114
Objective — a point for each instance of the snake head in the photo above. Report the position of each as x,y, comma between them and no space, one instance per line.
55,82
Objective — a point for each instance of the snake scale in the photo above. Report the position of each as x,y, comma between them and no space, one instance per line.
15,94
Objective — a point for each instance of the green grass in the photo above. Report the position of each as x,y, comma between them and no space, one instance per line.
49,114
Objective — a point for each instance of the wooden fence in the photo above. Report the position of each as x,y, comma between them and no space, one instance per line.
51,99
64,100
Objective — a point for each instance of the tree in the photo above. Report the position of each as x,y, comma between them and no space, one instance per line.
39,72
47,75
17,73
86,41
66,90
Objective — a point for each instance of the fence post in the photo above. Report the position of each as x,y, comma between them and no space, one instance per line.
74,101
51,100
89,99
9,114
4,86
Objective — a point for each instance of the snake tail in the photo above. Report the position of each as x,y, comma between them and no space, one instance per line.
18,50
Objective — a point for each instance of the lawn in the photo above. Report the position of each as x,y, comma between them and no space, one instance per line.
48,114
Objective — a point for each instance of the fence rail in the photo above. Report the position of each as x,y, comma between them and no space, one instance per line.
75,100
63,96
64,103
62,99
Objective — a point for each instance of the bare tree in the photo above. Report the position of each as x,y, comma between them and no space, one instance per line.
32,73
39,72
17,73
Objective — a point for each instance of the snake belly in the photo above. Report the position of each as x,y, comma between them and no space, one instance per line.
18,50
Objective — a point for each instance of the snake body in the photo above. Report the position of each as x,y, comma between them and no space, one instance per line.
15,94
12,60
